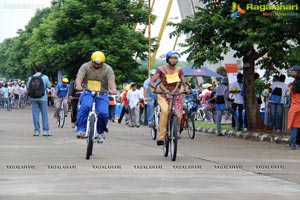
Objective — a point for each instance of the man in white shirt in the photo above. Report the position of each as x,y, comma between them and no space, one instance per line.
237,90
16,91
134,97
278,91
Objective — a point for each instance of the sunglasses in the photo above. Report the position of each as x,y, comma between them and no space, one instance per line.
97,63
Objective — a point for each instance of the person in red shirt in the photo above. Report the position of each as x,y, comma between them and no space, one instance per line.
125,102
294,111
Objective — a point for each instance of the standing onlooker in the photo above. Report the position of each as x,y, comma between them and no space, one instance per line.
143,108
237,90
125,106
278,91
134,97
40,104
22,96
112,107
16,90
294,112
6,96
11,94
50,92
222,103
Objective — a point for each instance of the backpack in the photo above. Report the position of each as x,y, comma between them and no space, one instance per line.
276,95
36,87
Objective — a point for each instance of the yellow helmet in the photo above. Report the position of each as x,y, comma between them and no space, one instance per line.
234,89
127,87
98,57
65,80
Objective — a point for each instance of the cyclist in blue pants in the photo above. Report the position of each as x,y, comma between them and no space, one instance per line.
95,70
150,98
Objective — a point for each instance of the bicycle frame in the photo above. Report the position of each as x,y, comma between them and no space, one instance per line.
92,113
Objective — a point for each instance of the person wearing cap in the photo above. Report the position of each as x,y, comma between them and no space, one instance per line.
95,71
170,77
294,111
134,97
150,98
205,94
222,104
125,105
61,96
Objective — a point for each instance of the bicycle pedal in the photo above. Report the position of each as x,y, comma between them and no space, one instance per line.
99,141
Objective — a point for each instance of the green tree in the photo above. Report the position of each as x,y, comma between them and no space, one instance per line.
252,35
13,51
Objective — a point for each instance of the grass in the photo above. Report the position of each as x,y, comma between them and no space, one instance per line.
228,127
211,125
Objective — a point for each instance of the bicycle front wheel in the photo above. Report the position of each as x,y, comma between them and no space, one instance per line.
190,125
166,146
154,128
90,132
61,118
174,132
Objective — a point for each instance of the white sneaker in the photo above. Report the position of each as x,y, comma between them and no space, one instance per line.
80,135
73,125
47,133
100,138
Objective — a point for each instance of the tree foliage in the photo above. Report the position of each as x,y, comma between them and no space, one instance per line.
269,41
64,36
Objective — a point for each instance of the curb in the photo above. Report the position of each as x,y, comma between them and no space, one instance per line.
248,135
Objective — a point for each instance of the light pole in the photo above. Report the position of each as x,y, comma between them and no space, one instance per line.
161,32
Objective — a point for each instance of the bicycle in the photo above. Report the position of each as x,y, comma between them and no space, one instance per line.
188,120
91,130
171,137
201,116
156,113
23,101
61,115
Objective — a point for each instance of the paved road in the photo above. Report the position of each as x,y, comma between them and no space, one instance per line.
130,166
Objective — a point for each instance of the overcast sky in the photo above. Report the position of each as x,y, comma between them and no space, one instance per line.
15,14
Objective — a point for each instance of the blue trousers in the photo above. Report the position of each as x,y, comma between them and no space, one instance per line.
86,102
276,110
37,107
294,134
150,107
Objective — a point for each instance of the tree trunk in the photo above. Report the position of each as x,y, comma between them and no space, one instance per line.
252,111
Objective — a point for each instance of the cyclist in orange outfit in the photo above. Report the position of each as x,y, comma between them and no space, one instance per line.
170,77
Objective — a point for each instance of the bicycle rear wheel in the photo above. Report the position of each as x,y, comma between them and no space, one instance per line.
90,132
174,132
190,125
